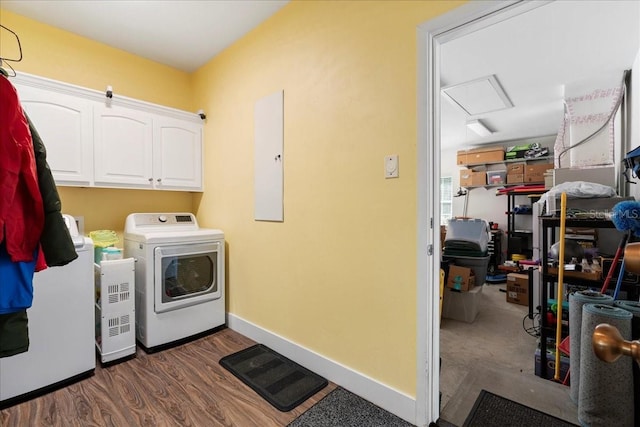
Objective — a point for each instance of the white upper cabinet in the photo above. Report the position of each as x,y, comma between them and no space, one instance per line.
118,143
64,124
177,153
123,141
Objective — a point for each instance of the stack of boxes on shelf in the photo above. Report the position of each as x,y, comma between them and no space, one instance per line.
525,173
516,172
471,178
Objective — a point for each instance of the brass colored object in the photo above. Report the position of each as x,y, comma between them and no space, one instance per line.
609,345
632,257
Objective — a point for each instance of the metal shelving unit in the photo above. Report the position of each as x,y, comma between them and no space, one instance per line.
506,162
548,226
514,234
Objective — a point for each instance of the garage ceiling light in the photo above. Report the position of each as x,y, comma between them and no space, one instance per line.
478,96
479,128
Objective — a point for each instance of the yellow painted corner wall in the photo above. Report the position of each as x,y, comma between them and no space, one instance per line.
338,276
60,55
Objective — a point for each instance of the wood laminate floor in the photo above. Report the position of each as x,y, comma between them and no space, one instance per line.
180,386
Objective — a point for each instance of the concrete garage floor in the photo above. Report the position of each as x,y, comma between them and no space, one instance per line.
495,353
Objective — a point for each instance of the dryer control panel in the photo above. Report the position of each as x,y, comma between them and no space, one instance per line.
173,220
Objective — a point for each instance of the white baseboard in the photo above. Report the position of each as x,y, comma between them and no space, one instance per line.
394,401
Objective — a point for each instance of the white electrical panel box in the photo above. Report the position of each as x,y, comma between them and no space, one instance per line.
115,309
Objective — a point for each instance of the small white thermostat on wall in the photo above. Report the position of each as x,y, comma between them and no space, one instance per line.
391,166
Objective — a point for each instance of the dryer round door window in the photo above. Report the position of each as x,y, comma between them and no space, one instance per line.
183,276
186,275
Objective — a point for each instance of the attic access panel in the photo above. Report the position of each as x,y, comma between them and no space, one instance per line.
478,96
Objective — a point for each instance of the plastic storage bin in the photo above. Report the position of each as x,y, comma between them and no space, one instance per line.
496,177
462,306
473,231
479,265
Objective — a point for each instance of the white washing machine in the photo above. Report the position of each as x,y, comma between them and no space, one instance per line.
61,328
180,275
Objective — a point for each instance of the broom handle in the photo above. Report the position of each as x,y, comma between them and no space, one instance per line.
620,277
623,243
559,299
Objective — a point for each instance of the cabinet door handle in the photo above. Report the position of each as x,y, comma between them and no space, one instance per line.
159,180
150,179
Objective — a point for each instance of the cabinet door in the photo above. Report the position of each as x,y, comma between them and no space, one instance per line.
64,124
123,147
177,152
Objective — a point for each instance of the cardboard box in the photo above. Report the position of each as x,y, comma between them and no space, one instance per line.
462,306
535,172
515,178
480,155
469,178
460,278
515,169
518,288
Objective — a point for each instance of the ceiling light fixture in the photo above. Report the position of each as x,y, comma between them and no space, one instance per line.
479,128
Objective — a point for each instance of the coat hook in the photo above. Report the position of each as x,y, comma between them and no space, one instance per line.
109,93
277,158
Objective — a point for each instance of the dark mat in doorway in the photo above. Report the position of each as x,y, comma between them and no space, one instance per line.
491,410
280,381
341,408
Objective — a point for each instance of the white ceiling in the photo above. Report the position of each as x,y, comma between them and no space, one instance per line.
534,55
182,34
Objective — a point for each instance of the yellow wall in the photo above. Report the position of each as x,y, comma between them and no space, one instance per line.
338,276
63,56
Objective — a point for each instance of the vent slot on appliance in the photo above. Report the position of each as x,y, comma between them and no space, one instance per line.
119,292
119,325
114,326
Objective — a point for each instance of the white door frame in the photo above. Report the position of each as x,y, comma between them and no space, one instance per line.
431,35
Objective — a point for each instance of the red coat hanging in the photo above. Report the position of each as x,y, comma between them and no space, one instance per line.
21,209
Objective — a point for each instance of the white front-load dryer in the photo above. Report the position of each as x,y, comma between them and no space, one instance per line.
180,275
